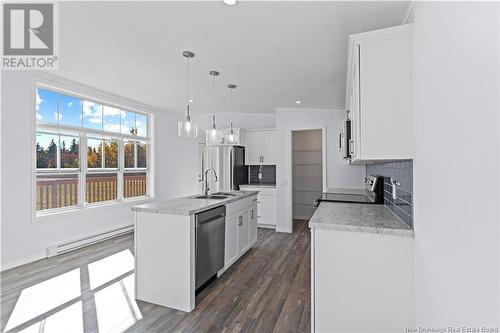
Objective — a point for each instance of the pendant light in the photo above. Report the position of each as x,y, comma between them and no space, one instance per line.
185,127
213,135
231,137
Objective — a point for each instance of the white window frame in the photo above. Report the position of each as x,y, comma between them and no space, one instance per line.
83,134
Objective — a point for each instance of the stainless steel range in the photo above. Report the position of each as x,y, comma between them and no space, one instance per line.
373,193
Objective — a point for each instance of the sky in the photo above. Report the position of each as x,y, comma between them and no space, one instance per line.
75,112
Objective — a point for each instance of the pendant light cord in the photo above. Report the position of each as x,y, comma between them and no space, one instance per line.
187,86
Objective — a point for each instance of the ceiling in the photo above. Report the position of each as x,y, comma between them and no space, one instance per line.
276,52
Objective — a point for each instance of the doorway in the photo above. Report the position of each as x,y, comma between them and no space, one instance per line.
307,173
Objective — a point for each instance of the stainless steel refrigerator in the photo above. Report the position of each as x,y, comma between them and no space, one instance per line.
229,164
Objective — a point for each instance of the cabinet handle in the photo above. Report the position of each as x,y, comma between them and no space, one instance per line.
251,214
262,159
351,147
240,220
254,200
341,137
258,216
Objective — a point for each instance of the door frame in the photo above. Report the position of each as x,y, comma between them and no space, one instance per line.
289,164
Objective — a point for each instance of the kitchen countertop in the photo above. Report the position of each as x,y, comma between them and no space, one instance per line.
358,217
259,185
188,205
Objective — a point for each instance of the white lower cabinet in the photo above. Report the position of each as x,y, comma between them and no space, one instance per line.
266,203
243,232
231,247
241,229
361,282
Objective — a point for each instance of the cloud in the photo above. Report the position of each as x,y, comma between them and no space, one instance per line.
112,127
38,115
70,104
39,100
57,116
92,112
110,111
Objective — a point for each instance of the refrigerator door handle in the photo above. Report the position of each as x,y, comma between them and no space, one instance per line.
231,176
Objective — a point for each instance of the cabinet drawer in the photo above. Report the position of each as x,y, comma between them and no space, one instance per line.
239,205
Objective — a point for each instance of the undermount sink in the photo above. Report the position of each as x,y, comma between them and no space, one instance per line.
228,194
212,196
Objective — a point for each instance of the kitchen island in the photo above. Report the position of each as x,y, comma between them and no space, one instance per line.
361,269
165,243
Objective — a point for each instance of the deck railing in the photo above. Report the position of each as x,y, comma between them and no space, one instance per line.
55,192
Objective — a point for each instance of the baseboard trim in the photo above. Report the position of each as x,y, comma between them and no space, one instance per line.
20,262
266,226
66,247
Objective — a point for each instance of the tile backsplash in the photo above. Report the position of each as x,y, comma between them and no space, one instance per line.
268,174
401,171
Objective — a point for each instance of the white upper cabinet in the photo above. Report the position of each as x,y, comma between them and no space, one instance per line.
260,147
378,95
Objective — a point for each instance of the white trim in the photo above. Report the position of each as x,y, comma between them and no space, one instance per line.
260,129
54,83
410,13
289,152
20,262
90,240
76,210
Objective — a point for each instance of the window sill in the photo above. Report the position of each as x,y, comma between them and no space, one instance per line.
127,202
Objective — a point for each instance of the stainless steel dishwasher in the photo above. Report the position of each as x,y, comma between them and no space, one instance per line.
210,241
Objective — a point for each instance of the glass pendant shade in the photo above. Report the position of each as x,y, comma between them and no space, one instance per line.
232,137
213,135
186,128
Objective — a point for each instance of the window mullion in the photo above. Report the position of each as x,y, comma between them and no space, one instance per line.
83,168
121,165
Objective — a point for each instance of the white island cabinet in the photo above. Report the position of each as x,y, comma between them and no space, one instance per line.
361,269
165,245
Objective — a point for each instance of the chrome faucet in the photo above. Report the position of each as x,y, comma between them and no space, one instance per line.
206,179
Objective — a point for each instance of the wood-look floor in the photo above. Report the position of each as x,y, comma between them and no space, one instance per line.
267,290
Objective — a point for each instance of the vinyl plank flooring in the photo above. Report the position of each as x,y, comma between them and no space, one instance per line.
267,290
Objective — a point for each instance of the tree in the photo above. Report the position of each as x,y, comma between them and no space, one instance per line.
52,155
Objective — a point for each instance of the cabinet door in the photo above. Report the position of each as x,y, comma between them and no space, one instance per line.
385,99
243,232
269,147
252,148
354,112
231,244
253,224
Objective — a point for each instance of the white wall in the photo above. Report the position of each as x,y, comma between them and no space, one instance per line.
22,239
340,174
456,166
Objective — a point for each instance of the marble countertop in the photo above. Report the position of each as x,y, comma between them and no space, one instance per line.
358,217
259,185
188,205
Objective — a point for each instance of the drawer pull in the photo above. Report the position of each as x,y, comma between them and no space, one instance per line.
254,200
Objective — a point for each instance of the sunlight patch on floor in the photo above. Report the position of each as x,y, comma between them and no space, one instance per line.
116,307
67,320
110,268
45,296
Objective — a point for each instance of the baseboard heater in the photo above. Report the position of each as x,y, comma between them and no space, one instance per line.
65,247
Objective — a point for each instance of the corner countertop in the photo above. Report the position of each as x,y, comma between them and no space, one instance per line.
259,185
188,205
358,217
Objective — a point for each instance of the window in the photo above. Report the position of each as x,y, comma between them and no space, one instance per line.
88,152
